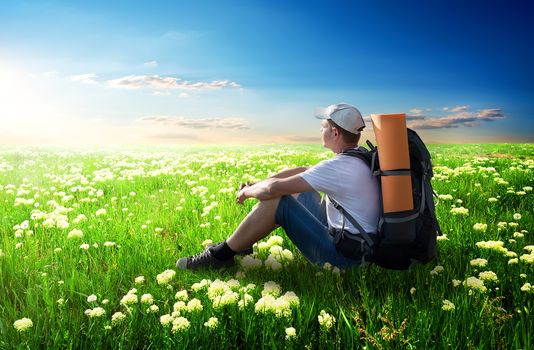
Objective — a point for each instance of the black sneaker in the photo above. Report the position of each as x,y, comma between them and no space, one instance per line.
203,260
242,252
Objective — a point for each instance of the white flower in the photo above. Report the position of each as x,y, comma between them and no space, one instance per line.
527,287
84,246
152,309
75,234
212,323
206,242
474,283
478,262
272,263
165,277
96,312
517,216
326,320
117,318
180,324
447,305
271,288
480,227
101,212
147,299
91,298
290,333
181,295
488,276
460,211
248,262
60,301
413,290
166,319
139,280
179,306
23,324
194,305
129,299
437,270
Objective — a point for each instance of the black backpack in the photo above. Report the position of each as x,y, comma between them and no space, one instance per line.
403,238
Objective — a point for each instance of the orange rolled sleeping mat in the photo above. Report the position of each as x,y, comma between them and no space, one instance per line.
392,142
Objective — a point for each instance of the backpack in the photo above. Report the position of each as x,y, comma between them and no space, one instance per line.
407,237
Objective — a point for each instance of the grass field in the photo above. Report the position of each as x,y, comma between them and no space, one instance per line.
89,238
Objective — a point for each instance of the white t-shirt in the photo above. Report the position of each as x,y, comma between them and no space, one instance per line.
348,181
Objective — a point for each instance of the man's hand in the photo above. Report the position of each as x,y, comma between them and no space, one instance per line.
241,194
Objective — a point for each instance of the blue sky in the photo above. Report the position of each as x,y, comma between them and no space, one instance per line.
247,72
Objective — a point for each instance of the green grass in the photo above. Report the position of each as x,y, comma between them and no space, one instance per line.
166,191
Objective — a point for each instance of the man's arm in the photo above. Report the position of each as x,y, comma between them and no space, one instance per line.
289,172
274,187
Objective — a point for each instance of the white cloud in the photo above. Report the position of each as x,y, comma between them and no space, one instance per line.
456,109
157,82
151,64
459,119
191,123
88,78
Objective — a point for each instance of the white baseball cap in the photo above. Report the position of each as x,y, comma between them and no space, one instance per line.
346,116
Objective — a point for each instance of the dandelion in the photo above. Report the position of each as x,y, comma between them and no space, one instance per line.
326,321
23,324
233,284
479,262
412,290
212,323
117,318
180,324
527,188
75,234
447,305
517,216
290,333
60,301
513,261
101,212
91,298
84,246
492,199
110,244
18,245
456,283
445,197
165,277
139,280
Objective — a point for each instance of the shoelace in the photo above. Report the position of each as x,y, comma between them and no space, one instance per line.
199,258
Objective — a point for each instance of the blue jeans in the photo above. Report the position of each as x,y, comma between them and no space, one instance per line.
304,220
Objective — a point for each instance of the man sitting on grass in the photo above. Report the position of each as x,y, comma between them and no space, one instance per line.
290,199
